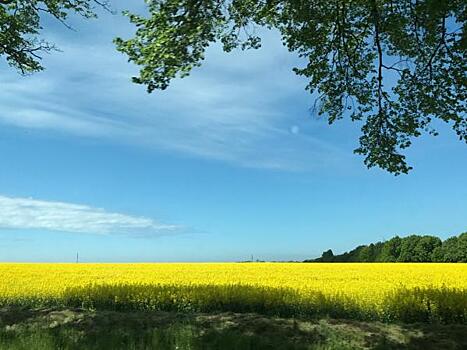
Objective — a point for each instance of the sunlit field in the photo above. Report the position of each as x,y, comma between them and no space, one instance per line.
387,292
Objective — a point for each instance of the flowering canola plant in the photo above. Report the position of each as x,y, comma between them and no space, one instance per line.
387,291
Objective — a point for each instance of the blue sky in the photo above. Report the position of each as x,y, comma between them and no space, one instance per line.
226,163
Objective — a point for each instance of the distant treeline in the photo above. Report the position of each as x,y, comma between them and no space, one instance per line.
413,248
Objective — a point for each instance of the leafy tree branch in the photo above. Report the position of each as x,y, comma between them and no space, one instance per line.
395,65
20,26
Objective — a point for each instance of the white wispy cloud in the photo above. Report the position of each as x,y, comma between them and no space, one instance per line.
238,108
27,213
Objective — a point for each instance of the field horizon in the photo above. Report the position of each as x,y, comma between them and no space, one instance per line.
429,292
248,306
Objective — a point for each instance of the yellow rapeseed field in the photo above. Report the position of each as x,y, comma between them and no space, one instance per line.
378,290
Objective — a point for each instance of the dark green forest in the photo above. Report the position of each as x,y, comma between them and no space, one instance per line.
413,248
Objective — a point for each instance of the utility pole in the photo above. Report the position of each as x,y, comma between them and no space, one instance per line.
77,257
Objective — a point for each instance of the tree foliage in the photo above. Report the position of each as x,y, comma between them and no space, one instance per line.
20,26
452,250
412,248
395,65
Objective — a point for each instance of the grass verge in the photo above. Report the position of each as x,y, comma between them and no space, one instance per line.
70,329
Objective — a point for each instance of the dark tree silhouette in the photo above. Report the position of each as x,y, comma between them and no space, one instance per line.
412,248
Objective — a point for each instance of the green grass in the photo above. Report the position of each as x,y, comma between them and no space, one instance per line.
59,328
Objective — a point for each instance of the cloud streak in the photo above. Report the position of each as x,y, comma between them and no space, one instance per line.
237,108
32,214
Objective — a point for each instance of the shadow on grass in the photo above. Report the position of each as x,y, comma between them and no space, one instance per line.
47,329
